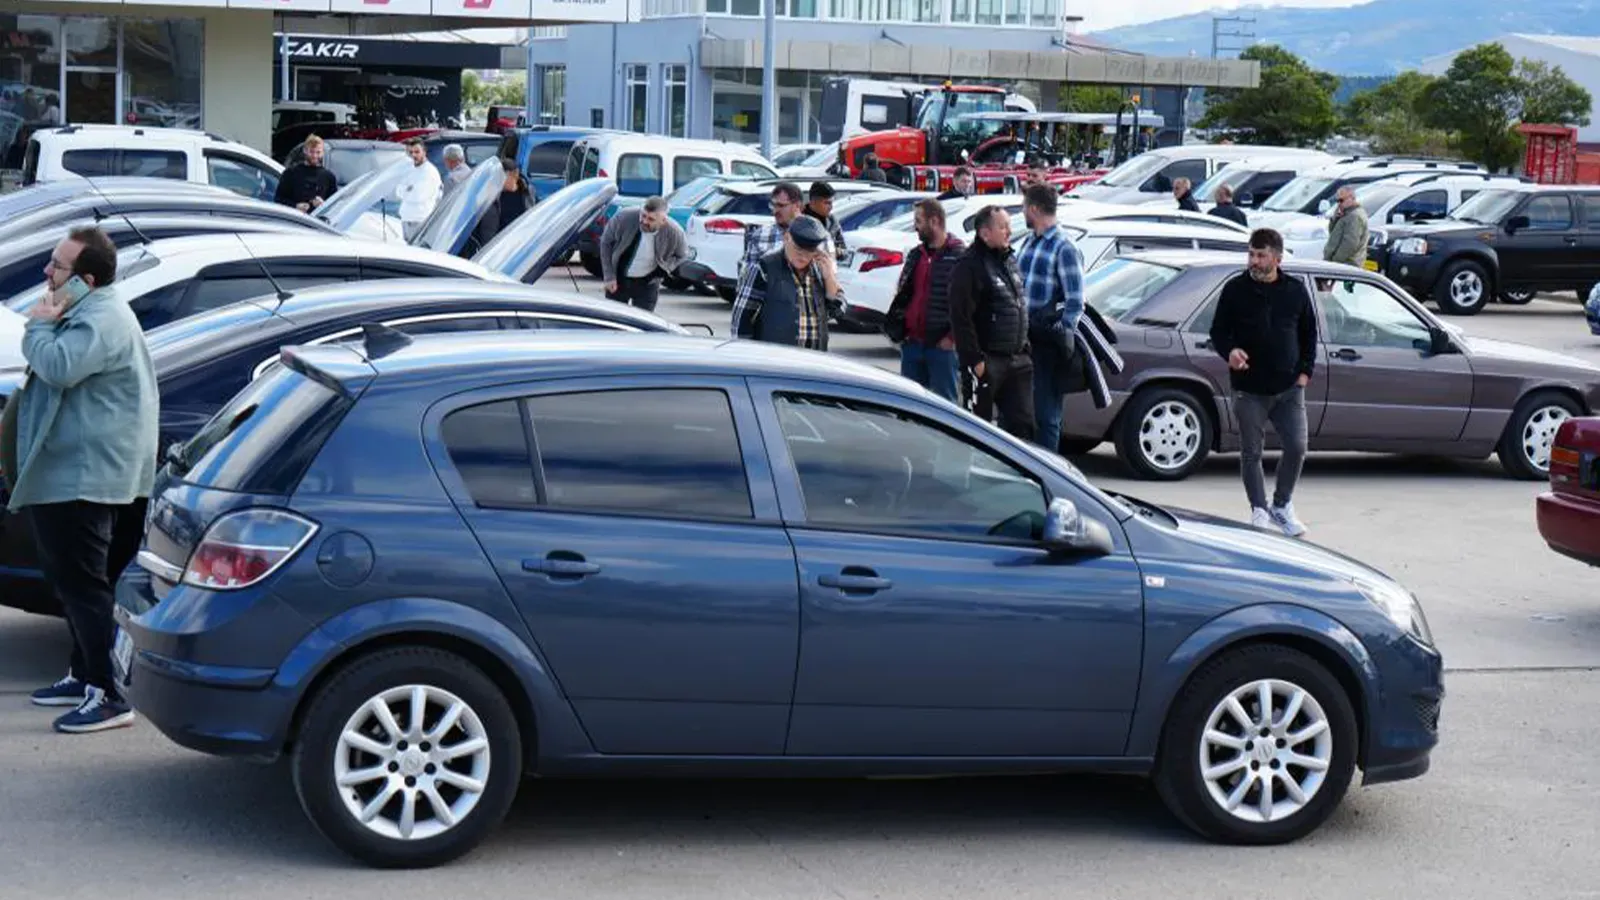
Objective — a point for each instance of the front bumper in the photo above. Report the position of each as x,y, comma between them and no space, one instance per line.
1403,722
1417,274
1570,525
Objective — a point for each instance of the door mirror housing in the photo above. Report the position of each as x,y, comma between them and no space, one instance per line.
1516,224
1397,218
1246,199
1440,342
1325,206
1066,531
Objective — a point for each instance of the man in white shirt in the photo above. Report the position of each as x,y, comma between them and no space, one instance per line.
419,191
639,246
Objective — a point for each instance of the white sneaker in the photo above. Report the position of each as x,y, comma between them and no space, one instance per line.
1260,518
1285,518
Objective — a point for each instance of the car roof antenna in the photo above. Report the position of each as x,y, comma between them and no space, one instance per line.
100,216
276,287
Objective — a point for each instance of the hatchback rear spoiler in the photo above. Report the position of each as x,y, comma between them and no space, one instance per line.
339,369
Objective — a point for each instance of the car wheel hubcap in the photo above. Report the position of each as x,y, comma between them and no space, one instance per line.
1169,436
412,762
1540,433
1466,288
1266,751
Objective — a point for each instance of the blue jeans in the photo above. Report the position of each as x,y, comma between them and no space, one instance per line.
1047,395
931,367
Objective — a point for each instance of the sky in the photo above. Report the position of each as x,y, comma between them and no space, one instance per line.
1103,16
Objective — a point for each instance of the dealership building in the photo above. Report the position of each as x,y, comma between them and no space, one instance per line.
211,63
692,68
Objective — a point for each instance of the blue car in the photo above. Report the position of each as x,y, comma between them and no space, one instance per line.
425,567
1591,309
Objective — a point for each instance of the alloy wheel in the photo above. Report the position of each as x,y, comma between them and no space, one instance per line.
1466,289
1169,435
1265,751
412,762
1539,433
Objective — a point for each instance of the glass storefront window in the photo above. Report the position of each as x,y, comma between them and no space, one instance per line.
90,42
161,72
638,97
30,82
553,95
675,81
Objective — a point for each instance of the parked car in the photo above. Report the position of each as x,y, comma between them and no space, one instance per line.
541,152
175,154
820,164
351,158
1513,238
717,228
41,194
1152,172
1390,377
872,274
1591,309
1254,179
1313,193
203,359
449,562
1400,200
1569,513
793,154
872,209
477,145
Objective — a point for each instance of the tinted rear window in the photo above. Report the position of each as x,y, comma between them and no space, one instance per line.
88,163
265,438
547,158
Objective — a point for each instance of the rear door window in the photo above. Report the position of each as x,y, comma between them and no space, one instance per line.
548,158
687,168
89,163
639,175
154,164
488,444
1430,204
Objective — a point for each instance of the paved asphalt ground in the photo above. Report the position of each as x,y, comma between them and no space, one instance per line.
1511,809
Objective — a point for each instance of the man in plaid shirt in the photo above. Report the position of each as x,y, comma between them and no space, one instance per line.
759,240
1052,276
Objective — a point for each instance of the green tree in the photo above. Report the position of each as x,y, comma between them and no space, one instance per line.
1292,106
1090,98
1478,98
1549,97
1393,116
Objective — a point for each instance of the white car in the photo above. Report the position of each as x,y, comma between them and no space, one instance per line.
92,151
792,154
717,227
815,165
1102,232
1401,200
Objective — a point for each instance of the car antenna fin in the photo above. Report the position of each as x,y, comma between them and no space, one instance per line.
100,216
276,287
380,340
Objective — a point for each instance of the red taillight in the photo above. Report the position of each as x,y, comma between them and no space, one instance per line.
879,258
242,548
724,226
1565,465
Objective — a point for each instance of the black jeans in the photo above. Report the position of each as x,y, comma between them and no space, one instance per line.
83,548
638,292
1007,385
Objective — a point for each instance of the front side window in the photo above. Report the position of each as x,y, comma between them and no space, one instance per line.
752,170
639,175
1360,314
863,467
1431,204
670,453
238,176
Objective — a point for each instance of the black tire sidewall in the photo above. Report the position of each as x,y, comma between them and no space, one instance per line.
1178,776
1509,300
339,698
1441,291
1512,457
591,264
1127,439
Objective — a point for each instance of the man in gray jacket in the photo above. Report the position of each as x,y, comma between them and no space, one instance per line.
78,446
1347,233
639,247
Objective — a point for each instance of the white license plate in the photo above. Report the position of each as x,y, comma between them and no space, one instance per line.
122,655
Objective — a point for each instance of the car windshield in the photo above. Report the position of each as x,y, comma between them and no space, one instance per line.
1134,172
1487,207
1378,194
130,262
1233,176
1298,195
693,192
349,163
823,157
1118,288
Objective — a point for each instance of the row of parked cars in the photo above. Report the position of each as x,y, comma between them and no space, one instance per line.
423,529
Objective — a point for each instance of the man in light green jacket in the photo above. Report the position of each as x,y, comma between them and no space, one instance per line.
79,451
1347,233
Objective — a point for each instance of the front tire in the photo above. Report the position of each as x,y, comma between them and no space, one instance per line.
1259,747
408,758
1524,449
1463,289
1164,434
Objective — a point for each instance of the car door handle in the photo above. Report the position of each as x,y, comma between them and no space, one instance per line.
561,564
855,580
1203,345
1345,353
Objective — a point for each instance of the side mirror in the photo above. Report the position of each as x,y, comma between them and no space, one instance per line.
1325,206
1397,218
1246,199
1066,531
1516,224
1439,342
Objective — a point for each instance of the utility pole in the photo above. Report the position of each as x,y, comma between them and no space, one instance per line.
769,81
1244,31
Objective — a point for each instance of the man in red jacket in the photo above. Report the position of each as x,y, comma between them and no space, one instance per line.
919,315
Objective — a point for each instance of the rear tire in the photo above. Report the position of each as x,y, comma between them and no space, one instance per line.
1306,762
1517,298
1524,449
1078,446
1463,289
1164,434
475,786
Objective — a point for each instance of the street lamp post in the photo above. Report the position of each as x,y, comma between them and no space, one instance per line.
769,81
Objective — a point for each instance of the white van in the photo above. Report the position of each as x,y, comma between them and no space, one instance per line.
1153,171
645,165
95,151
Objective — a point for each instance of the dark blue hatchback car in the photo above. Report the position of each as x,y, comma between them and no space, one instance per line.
426,567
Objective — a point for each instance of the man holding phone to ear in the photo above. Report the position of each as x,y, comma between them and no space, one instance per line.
78,449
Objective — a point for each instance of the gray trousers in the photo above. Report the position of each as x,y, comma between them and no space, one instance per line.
1287,413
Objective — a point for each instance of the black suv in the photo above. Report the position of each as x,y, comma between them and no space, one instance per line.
1511,240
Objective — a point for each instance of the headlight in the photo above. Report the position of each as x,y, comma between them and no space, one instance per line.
1400,606
1377,239
1412,247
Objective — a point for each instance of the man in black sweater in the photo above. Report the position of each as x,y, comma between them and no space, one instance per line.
307,185
1266,328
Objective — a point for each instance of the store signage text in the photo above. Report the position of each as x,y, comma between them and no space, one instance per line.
324,49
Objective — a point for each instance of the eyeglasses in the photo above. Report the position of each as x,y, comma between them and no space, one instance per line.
57,266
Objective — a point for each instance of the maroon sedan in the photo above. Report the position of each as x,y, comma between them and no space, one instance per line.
1569,513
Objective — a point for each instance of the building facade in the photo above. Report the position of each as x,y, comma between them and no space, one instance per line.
1579,57
692,68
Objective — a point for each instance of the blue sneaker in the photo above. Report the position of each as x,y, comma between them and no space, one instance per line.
98,712
66,692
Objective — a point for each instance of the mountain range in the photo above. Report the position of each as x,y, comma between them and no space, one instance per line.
1382,37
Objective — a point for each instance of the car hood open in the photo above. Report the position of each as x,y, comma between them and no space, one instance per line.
457,213
364,194
523,250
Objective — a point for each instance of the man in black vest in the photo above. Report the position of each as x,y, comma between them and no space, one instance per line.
793,291
989,316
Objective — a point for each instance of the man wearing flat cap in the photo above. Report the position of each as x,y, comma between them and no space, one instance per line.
792,292
819,206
